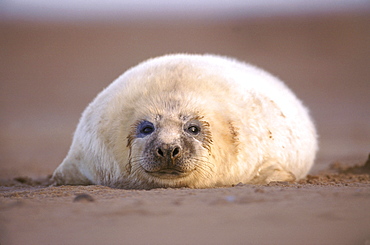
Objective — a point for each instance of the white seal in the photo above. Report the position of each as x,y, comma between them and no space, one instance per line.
193,121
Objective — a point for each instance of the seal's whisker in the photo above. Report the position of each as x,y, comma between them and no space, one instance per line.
204,168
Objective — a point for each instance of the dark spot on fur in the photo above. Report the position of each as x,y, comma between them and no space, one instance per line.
270,135
234,136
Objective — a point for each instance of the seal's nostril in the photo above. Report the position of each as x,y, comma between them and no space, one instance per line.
168,151
175,152
160,152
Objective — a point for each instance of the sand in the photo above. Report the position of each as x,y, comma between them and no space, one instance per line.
329,208
49,72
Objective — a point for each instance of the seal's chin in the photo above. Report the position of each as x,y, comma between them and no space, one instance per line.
169,173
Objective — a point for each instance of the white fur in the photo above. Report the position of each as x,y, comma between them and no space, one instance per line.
260,131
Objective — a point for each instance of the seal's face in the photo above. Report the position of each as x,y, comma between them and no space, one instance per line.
167,149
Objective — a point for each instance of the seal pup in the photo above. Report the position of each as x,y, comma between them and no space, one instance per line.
195,121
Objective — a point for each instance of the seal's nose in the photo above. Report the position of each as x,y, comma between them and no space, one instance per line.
170,151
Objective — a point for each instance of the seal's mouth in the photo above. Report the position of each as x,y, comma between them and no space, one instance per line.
169,173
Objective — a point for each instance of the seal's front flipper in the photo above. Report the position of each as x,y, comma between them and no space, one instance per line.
273,173
68,173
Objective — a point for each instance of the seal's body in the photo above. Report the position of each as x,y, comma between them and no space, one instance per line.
191,121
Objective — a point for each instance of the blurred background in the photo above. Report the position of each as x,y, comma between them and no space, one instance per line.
55,56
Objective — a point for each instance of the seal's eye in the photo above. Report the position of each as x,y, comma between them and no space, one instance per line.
193,130
145,128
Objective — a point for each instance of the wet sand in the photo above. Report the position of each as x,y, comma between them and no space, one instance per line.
50,72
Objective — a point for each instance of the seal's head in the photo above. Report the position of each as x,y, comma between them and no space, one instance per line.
169,149
175,124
